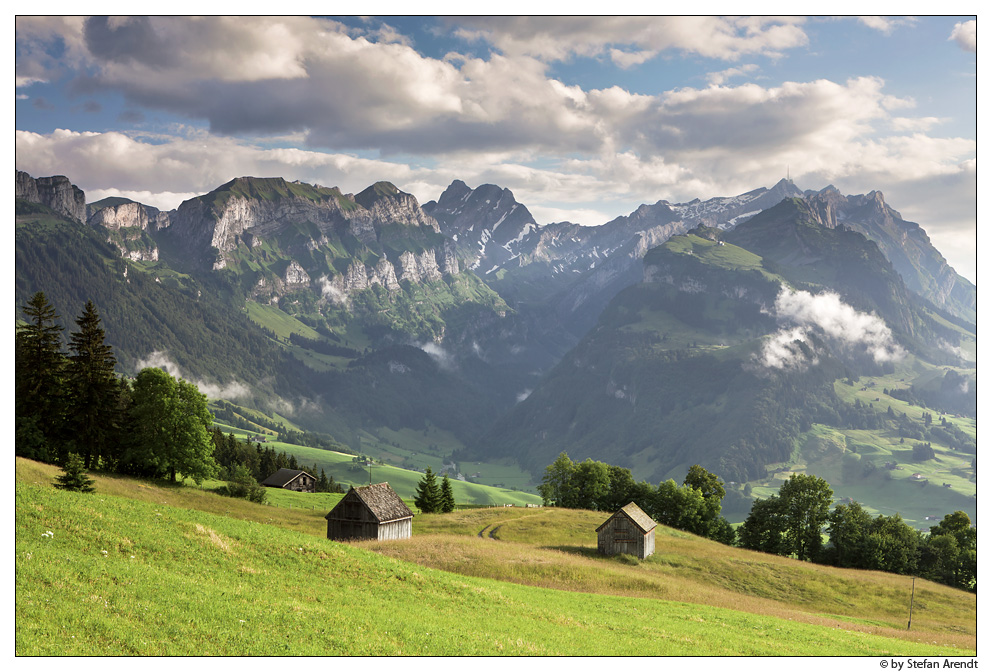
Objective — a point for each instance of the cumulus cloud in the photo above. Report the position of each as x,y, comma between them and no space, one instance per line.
885,24
364,105
966,35
828,315
561,38
161,360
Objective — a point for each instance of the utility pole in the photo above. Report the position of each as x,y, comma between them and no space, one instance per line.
908,627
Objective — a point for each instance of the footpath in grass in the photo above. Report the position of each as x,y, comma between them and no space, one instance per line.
99,574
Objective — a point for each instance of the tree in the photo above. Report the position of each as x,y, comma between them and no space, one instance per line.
711,488
93,388
170,430
447,496
428,496
848,526
806,502
555,488
73,476
681,507
764,528
38,375
590,484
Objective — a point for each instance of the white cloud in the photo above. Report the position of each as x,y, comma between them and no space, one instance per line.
829,314
885,24
720,78
966,35
161,360
782,351
560,38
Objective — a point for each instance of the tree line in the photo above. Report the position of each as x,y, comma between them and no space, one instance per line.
73,409
791,523
75,404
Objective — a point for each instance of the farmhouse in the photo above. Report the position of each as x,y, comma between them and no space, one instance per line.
291,479
629,531
370,512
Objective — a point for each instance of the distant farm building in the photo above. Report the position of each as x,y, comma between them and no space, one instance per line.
629,531
370,512
291,479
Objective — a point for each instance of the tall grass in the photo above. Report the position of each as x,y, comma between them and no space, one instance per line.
137,569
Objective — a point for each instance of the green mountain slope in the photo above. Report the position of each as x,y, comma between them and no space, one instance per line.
729,353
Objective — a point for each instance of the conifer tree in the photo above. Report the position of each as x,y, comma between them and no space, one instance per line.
428,497
39,385
447,496
73,476
93,388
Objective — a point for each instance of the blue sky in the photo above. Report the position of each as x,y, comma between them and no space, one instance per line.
583,118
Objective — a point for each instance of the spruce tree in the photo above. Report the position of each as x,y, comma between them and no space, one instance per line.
447,496
93,388
39,381
428,497
73,476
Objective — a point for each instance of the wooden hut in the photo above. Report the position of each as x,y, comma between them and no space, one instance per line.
629,531
370,512
291,479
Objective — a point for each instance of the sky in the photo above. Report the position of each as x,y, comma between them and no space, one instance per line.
582,118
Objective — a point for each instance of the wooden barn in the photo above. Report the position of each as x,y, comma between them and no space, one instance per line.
291,479
629,531
370,512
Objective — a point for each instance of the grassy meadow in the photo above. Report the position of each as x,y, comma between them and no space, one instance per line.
142,568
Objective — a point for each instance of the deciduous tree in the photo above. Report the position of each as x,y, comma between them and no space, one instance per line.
171,427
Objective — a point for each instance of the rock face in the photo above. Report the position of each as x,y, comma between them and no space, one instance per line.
388,237
56,192
905,244
487,224
131,226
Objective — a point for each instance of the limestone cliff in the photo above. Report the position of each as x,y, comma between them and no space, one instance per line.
56,192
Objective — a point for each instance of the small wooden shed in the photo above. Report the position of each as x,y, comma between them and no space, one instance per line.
370,512
629,531
291,479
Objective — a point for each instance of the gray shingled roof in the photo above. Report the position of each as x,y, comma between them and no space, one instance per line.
381,500
283,477
636,515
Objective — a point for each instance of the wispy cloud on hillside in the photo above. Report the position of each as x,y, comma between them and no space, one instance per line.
825,314
160,360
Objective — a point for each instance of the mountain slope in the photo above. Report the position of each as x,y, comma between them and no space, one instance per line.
728,352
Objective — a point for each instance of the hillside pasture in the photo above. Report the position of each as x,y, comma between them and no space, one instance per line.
109,574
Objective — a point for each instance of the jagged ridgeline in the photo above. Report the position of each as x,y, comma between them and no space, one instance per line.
280,293
682,333
730,348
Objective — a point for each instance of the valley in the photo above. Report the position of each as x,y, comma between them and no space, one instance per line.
463,335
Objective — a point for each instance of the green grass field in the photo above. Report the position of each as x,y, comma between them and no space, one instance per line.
140,569
345,471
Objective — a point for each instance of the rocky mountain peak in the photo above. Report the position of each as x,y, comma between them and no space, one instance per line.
55,192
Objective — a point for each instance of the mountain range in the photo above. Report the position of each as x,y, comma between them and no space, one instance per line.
680,333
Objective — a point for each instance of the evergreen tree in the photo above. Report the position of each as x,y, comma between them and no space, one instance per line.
73,476
428,497
447,496
39,369
93,388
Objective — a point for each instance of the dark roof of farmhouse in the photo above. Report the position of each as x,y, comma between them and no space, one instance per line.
636,515
282,477
381,500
